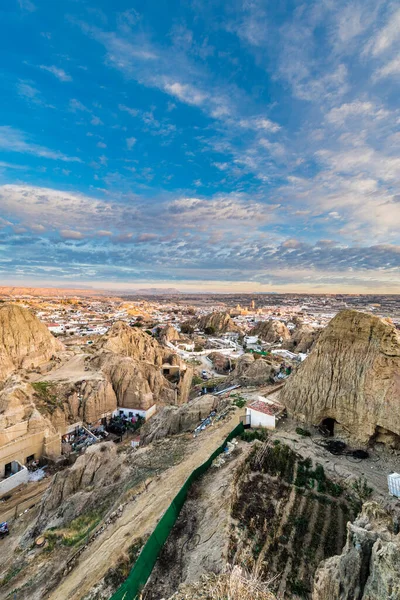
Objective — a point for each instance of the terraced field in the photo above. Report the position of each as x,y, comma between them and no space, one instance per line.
287,517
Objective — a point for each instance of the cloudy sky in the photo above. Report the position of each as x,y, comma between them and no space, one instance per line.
228,145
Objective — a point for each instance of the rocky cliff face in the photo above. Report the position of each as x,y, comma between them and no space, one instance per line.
172,419
302,338
25,342
220,322
221,363
352,376
271,331
369,566
137,384
87,400
19,414
169,334
72,491
250,371
134,343
131,360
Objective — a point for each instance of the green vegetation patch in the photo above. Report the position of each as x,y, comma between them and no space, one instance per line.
11,573
45,392
249,435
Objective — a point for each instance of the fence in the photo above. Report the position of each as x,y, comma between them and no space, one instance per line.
144,565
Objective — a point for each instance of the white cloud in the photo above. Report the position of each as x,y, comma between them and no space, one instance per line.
96,121
186,93
260,124
355,109
57,72
386,37
13,140
391,68
132,111
130,142
75,105
27,5
69,234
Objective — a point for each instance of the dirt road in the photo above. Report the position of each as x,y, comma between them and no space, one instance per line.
139,517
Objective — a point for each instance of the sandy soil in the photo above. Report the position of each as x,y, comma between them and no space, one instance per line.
72,370
139,517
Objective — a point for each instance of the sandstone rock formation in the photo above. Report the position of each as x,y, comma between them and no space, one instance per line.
219,322
169,334
22,426
133,342
302,338
25,342
221,363
369,566
271,331
351,377
137,384
172,419
87,400
132,361
250,371
72,490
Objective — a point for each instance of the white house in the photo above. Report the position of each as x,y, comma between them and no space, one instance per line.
132,412
55,327
264,413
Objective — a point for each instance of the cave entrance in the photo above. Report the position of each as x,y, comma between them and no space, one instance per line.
327,426
385,437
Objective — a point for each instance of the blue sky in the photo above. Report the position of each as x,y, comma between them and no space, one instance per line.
244,145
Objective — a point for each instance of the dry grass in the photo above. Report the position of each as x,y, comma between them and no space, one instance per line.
235,584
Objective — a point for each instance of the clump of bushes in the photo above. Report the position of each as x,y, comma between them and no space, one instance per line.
249,435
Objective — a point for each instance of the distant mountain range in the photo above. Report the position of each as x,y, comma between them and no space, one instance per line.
71,292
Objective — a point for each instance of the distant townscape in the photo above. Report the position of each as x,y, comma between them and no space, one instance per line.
110,404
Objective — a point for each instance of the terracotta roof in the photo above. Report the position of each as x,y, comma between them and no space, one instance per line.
267,408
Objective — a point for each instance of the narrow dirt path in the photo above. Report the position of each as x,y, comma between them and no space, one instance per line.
139,517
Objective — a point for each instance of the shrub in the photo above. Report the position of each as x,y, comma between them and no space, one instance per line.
302,432
254,434
362,489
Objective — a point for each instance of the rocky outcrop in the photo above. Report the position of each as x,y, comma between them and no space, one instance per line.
169,334
20,417
134,343
25,342
351,377
221,363
369,566
132,361
217,322
250,371
81,487
87,400
137,384
302,339
172,419
271,331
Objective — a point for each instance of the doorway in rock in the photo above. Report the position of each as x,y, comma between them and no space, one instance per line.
385,437
327,426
